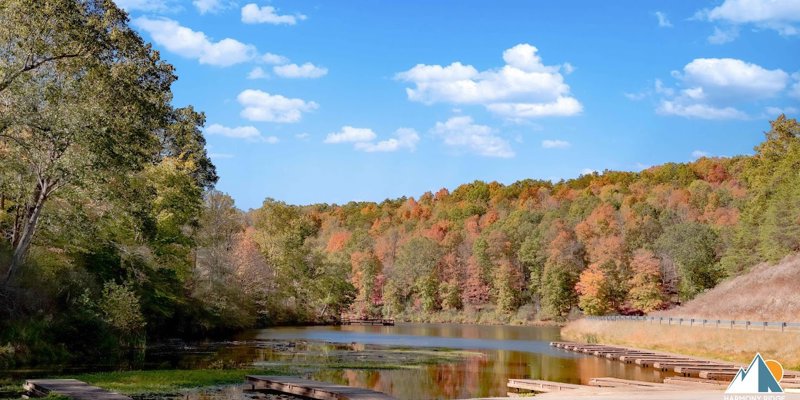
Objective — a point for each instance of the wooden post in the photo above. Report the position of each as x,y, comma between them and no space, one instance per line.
783,325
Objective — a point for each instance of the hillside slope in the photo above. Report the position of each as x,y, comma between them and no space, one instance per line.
766,293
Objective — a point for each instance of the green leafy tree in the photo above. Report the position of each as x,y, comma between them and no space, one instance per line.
693,247
81,98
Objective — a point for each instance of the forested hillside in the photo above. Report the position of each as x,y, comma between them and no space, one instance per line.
606,243
111,232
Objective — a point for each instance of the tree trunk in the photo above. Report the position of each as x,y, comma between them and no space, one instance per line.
29,227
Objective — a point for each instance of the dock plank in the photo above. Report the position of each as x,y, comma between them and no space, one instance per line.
538,385
313,389
71,388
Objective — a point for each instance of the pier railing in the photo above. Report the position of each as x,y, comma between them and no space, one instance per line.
705,322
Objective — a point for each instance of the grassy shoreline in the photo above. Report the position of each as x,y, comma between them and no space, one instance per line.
730,345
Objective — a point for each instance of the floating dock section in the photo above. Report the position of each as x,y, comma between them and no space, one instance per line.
71,388
312,389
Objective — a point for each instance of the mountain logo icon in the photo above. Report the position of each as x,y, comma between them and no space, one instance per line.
760,377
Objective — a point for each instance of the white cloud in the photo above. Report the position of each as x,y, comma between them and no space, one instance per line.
523,88
555,144
460,132
725,35
726,77
348,134
712,88
195,45
405,138
253,14
262,106
562,107
208,6
249,133
772,112
257,73
663,21
307,70
795,89
588,171
146,5
302,136
701,111
778,15
700,154
270,58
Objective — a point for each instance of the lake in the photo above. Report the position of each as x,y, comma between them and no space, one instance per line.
498,354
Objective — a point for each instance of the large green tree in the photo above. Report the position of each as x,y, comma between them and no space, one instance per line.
82,98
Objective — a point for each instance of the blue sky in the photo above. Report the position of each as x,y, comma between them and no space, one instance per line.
320,101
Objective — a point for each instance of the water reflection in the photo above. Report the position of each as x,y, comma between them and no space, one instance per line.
508,352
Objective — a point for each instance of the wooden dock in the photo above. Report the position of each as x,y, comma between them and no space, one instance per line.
683,365
537,385
368,321
312,389
71,388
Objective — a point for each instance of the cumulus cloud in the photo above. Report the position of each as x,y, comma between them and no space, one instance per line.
307,70
781,16
257,73
349,134
698,110
195,45
249,133
208,6
555,144
724,35
663,21
795,89
262,106
253,14
726,77
270,58
405,138
462,133
523,88
713,88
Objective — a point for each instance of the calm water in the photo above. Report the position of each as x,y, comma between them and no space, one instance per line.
498,353
504,352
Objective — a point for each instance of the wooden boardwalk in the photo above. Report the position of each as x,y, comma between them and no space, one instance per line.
71,388
312,389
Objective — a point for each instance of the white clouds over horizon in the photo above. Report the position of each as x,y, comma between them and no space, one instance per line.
265,107
195,45
781,16
253,14
249,133
715,88
462,133
523,88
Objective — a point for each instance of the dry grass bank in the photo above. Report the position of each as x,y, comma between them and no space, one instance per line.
731,345
766,293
